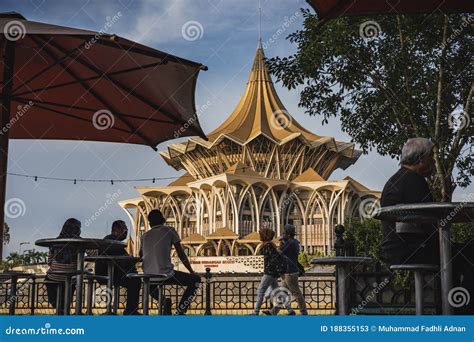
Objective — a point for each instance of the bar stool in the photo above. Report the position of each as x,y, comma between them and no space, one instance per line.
65,287
344,265
91,277
419,270
59,297
147,278
14,277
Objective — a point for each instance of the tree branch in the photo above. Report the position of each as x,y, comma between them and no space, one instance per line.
440,81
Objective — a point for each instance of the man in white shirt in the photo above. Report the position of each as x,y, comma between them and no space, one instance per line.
156,253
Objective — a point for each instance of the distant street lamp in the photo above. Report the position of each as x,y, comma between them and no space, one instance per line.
23,243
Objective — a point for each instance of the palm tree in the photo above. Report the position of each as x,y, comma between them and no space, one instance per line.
33,257
14,259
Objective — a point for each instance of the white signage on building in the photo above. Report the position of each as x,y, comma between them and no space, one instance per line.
237,264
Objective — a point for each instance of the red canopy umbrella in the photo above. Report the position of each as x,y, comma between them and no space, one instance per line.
327,9
66,83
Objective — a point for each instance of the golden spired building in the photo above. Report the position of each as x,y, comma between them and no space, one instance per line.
260,168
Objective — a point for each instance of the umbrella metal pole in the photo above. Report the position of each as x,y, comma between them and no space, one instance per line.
9,61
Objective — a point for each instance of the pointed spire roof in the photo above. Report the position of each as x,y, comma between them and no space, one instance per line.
260,111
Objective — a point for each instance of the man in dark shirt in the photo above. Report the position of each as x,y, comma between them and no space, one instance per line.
121,268
290,248
408,185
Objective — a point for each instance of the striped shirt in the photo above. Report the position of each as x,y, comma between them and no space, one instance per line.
61,259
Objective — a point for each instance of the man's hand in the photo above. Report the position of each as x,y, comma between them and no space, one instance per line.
183,257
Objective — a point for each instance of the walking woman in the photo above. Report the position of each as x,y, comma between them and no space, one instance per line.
62,259
273,266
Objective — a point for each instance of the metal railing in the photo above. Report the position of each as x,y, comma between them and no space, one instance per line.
219,294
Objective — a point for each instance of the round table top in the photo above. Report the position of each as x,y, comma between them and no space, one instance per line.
80,243
451,212
113,258
337,260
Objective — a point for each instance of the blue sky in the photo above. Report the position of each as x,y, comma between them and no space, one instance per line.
227,46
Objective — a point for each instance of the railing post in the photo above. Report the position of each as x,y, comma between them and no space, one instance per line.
208,277
33,294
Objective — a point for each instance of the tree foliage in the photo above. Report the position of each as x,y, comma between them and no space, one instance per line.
29,257
365,236
389,78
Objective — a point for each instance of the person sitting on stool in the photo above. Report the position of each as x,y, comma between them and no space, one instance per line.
121,268
408,185
62,259
156,253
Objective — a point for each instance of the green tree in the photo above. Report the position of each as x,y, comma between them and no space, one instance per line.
33,257
463,232
366,236
14,259
389,78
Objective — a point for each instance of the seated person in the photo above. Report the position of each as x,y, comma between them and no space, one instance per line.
156,253
62,259
121,268
408,185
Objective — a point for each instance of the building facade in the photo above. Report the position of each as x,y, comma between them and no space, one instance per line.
260,168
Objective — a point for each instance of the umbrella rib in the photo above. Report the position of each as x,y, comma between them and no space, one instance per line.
65,84
140,97
99,98
57,104
71,115
48,67
115,44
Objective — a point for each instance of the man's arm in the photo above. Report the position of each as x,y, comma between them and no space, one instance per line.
182,256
